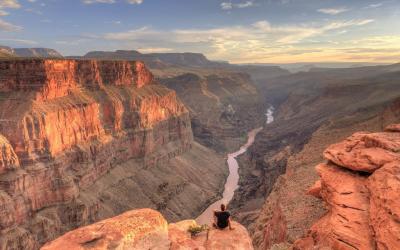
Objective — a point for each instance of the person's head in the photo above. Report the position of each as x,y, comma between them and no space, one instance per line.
223,207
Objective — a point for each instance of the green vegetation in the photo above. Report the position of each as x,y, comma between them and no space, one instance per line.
195,230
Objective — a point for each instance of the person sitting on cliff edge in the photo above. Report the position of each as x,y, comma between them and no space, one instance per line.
222,219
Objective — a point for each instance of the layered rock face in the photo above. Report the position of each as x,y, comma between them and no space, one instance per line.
361,188
65,124
50,79
147,229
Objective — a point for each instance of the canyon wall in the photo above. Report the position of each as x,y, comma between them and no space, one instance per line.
223,106
70,126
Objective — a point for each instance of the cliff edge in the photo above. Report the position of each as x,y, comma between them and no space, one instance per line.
147,229
360,186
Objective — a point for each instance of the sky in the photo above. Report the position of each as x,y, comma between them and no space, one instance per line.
239,31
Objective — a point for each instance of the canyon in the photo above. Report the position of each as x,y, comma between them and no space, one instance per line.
84,140
89,138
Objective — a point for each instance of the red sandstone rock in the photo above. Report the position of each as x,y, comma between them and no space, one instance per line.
138,229
384,186
8,159
364,210
147,229
346,226
53,78
363,152
65,124
181,239
315,190
393,128
274,232
237,239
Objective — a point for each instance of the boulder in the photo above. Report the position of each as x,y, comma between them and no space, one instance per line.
363,152
138,229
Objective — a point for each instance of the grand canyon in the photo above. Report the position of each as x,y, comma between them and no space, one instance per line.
120,139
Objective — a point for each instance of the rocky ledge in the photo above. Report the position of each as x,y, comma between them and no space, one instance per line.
360,185
147,229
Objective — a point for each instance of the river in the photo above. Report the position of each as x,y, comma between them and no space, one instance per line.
232,182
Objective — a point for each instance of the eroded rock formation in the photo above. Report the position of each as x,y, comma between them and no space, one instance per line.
67,126
361,187
147,229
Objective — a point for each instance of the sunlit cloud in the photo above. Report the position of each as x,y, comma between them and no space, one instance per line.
333,11
6,26
111,1
230,5
98,1
154,50
135,1
12,4
257,41
20,41
374,6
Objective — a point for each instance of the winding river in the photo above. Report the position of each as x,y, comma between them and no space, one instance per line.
232,182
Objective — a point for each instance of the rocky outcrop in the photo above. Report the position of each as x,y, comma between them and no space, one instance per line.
76,135
360,186
8,159
147,229
137,229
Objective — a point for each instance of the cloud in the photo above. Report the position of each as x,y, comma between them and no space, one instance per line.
230,5
235,43
374,6
135,1
98,1
111,1
154,50
333,11
21,41
8,4
12,4
5,26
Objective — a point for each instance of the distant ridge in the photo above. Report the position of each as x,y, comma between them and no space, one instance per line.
6,51
37,52
156,60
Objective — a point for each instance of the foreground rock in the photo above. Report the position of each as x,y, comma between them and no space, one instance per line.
363,209
147,229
